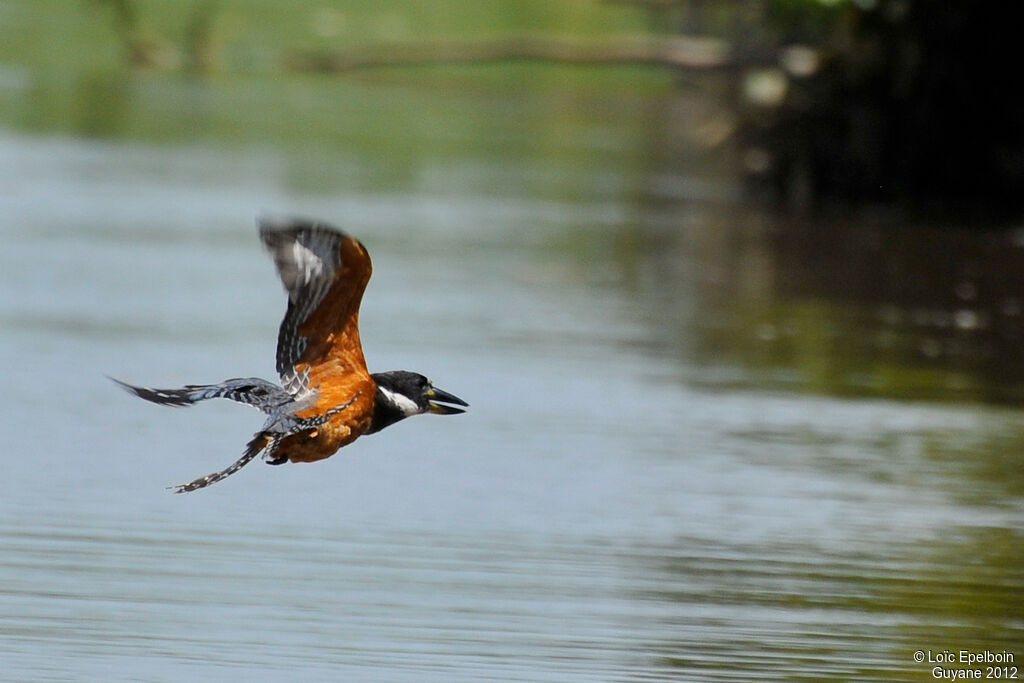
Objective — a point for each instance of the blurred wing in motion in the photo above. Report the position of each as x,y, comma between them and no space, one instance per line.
325,273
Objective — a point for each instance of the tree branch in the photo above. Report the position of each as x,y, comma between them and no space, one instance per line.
685,53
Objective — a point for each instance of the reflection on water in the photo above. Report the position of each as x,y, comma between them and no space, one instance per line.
685,458
848,308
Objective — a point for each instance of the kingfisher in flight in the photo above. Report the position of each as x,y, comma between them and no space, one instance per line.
326,399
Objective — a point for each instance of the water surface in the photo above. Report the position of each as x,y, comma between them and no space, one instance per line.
696,451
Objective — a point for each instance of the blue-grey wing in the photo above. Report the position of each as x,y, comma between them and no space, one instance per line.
252,391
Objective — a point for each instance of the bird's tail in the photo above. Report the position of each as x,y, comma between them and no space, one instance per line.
251,391
259,442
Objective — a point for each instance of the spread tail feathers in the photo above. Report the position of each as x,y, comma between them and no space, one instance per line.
252,449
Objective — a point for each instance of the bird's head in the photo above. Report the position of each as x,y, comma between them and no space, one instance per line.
401,394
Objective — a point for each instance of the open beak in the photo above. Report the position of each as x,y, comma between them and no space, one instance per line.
438,398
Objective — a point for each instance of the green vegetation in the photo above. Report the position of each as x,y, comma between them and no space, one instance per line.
217,73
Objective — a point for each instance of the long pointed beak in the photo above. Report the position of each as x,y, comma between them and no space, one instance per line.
437,399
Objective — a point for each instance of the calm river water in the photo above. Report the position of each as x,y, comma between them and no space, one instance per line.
700,447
